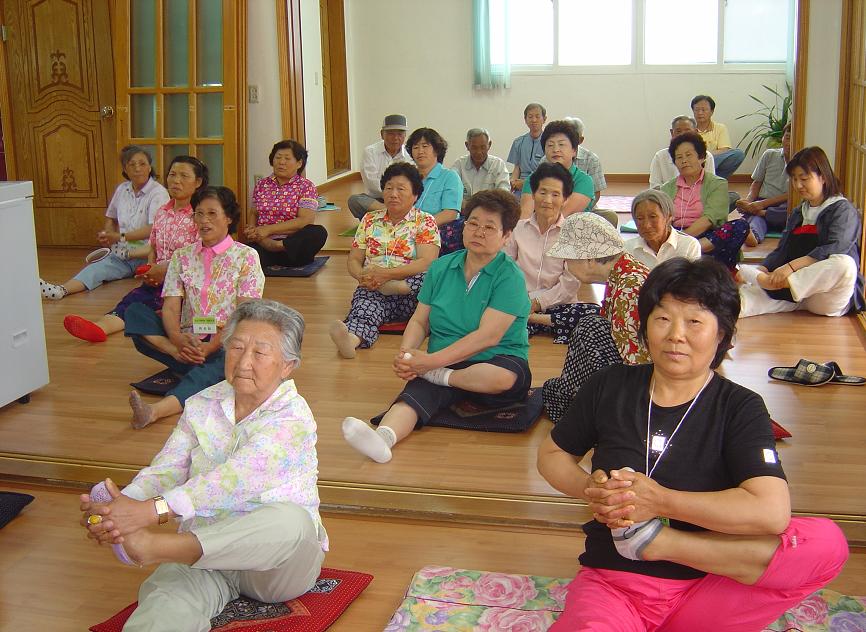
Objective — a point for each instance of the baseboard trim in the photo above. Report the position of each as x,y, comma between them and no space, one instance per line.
339,180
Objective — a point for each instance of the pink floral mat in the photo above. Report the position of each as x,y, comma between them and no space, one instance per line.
448,599
618,203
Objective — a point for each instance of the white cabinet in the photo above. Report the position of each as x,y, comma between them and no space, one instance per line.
23,359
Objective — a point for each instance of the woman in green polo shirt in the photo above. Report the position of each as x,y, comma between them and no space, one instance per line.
474,306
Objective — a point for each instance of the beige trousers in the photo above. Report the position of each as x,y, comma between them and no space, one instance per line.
823,288
271,554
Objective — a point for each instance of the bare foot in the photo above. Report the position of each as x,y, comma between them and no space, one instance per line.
142,414
271,245
346,341
138,547
395,288
751,240
763,280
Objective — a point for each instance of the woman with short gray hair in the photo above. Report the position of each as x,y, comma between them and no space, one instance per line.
238,474
657,240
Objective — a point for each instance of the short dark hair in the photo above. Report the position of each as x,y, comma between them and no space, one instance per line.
704,97
226,197
431,136
705,282
552,170
408,171
198,168
689,137
560,127
496,201
814,160
126,154
298,151
534,106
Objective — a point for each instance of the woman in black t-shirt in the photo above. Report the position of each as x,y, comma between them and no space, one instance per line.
691,506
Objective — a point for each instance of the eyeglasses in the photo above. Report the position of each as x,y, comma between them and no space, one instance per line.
477,228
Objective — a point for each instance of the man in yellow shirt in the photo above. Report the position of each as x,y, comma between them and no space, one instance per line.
716,137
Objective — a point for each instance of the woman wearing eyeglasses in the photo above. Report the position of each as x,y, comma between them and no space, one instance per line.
474,307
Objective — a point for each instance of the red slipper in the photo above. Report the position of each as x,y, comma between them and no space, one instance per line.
84,329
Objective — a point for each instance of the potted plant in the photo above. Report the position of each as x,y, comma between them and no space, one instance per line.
774,116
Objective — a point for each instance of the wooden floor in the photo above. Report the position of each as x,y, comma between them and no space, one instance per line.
53,578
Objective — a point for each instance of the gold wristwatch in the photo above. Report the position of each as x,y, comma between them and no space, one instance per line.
162,509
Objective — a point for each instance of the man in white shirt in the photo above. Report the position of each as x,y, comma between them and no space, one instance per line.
662,167
377,158
479,170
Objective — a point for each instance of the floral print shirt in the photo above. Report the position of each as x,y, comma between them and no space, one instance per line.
620,307
213,467
392,245
277,202
172,229
211,280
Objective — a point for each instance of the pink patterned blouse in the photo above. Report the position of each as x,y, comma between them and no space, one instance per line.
172,229
277,202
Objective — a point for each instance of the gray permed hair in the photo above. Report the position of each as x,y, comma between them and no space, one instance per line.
659,198
477,131
684,117
288,322
579,127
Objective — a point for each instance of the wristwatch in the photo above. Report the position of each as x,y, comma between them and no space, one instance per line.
162,509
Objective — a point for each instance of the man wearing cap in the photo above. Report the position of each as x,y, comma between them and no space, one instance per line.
595,253
377,157
479,170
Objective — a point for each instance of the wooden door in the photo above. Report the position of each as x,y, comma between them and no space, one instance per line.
335,86
61,80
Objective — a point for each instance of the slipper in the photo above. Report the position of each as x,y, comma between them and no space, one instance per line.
100,494
806,372
840,378
84,329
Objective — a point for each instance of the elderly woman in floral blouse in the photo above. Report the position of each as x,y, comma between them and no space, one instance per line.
595,253
238,474
392,249
204,283
285,233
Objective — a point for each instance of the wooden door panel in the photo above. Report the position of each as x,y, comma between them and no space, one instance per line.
58,33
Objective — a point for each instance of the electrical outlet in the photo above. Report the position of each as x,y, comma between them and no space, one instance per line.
252,94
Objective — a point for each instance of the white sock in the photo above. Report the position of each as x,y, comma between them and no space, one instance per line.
631,541
388,435
438,376
367,441
49,290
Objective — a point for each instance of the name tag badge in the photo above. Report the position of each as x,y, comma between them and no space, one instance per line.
658,443
204,325
769,456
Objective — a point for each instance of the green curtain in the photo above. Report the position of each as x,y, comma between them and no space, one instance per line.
487,75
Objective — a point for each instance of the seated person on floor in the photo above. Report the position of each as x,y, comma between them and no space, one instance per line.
204,283
594,253
816,265
238,476
129,217
662,166
701,202
552,288
285,204
587,160
527,151
473,305
443,191
391,251
766,205
377,158
173,228
479,170
560,143
657,240
691,530
716,137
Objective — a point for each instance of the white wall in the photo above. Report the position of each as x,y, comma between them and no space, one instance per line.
314,100
822,75
418,61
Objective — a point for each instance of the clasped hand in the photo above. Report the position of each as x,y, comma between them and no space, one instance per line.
191,349
372,277
418,364
623,498
255,233
121,516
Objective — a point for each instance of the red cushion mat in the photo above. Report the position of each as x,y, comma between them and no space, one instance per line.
779,432
393,328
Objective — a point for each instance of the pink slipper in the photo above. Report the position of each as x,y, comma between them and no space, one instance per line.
84,329
99,494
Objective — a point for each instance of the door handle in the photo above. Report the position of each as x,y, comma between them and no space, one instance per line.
106,111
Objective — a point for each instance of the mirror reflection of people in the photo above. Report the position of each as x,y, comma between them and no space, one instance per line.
237,476
691,508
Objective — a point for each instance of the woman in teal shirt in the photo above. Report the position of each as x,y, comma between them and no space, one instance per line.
443,188
474,306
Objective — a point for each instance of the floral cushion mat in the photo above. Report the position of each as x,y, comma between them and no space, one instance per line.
445,599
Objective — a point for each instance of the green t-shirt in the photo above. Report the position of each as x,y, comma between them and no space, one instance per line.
456,309
582,184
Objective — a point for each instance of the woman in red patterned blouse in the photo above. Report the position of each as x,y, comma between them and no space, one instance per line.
285,233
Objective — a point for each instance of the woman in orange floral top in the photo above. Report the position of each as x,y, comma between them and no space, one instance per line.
595,253
392,249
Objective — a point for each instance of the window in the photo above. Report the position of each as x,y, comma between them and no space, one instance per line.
638,33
